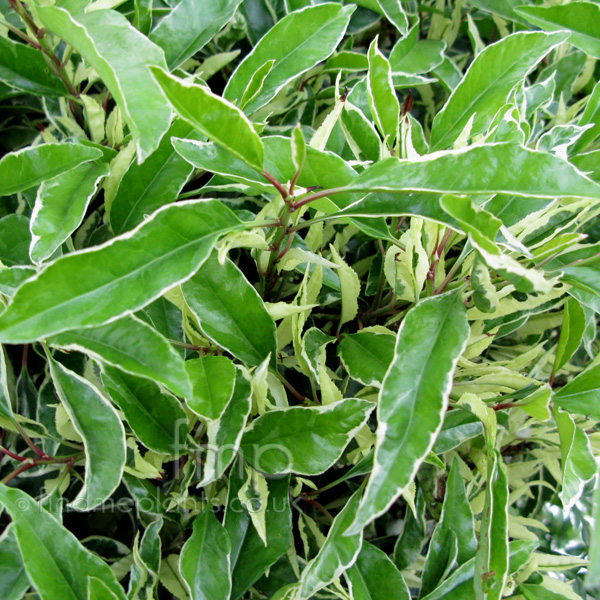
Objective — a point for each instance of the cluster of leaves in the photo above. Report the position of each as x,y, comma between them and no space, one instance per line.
299,299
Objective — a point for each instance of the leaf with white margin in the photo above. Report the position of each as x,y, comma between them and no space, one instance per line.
205,561
103,435
30,166
413,399
375,577
216,118
213,380
57,564
60,207
383,101
100,37
578,464
503,168
134,347
95,286
487,83
225,434
482,227
337,553
303,440
297,43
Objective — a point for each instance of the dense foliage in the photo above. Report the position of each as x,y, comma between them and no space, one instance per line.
299,299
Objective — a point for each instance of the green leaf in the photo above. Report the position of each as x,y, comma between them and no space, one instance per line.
491,168
297,43
186,29
415,390
383,102
581,19
156,417
88,288
581,396
60,207
225,434
337,553
27,168
157,181
298,148
250,558
455,522
15,238
230,312
215,117
423,57
593,574
213,381
99,37
56,562
375,577
6,409
12,278
256,84
13,578
395,14
571,333
487,83
492,559
460,583
590,116
143,580
98,423
578,464
482,228
205,559
367,356
25,68
133,346
303,440
539,592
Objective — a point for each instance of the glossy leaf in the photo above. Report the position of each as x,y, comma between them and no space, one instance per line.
487,83
60,207
375,577
157,181
213,380
491,168
12,278
337,553
132,346
367,356
30,166
186,29
215,117
98,423
250,558
384,104
456,522
297,43
593,574
395,14
415,390
303,440
581,395
205,559
230,311
89,288
492,559
25,68
580,19
13,578
14,240
571,333
578,464
225,434
99,37
56,562
482,228
156,417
